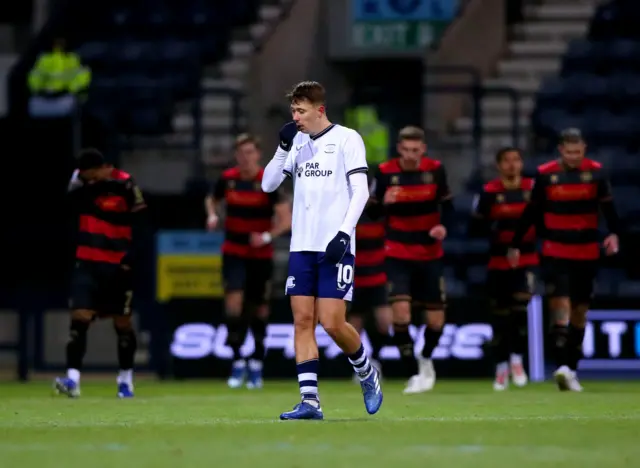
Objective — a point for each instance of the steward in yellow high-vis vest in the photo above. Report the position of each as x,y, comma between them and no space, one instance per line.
374,133
59,72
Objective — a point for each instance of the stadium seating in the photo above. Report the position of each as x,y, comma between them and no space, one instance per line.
146,55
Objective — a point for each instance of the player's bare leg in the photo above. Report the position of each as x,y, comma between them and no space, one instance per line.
258,325
560,313
518,337
332,316
500,324
76,349
127,345
425,379
236,334
401,312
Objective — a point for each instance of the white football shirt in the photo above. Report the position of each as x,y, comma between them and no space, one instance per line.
320,166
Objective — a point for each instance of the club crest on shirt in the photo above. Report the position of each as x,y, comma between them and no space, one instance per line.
395,180
554,179
500,198
231,184
427,178
330,148
586,177
526,195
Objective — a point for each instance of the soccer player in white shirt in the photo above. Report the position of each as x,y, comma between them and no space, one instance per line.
328,165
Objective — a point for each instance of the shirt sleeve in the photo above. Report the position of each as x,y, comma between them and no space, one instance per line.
604,190
444,192
279,168
288,168
359,197
136,199
219,189
355,155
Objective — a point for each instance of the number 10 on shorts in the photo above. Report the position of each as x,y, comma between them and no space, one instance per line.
345,276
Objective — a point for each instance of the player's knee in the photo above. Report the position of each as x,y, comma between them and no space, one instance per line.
303,321
332,323
560,310
233,303
262,312
78,330
401,307
82,315
384,318
435,319
122,324
579,315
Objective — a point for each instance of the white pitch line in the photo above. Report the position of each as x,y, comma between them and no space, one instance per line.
372,420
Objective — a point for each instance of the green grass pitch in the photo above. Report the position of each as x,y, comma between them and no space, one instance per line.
204,424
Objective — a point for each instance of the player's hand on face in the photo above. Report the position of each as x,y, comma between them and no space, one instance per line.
212,223
438,232
391,195
611,244
287,134
337,247
513,255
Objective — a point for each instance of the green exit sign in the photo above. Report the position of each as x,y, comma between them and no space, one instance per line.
405,35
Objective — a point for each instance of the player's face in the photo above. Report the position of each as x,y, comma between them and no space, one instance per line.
411,150
572,153
511,165
97,174
306,115
247,155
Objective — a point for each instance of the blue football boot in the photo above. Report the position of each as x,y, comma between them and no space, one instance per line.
254,379
66,386
238,375
372,392
303,410
125,390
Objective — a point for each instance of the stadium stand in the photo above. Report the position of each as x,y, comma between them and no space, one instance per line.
146,56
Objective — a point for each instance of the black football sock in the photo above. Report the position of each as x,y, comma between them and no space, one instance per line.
560,336
431,340
574,346
519,329
236,334
77,345
127,346
402,339
259,331
377,340
500,344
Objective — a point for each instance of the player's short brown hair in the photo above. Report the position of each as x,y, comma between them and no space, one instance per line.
502,152
411,133
311,91
245,138
571,135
